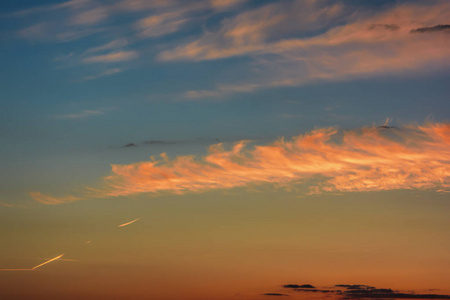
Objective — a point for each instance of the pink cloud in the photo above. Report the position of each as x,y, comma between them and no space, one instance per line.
369,159
369,44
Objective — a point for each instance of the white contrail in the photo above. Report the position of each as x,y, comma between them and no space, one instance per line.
34,268
46,262
125,224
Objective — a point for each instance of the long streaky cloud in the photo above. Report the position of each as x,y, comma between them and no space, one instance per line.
326,159
48,261
128,223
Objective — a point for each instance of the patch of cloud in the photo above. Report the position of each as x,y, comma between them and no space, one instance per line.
64,57
76,34
89,16
431,29
161,24
392,27
10,205
329,160
114,44
45,199
170,142
288,53
360,291
296,286
160,17
87,113
114,57
107,72
177,14
34,32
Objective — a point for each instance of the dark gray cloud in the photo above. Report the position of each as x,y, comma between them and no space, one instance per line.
361,291
275,294
171,142
296,286
431,29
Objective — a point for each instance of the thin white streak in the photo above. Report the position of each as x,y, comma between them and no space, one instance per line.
125,224
48,261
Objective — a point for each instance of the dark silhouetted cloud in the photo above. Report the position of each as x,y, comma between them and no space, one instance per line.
372,292
171,142
360,291
431,29
296,286
275,294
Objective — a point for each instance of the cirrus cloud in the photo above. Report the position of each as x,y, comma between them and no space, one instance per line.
330,41
368,159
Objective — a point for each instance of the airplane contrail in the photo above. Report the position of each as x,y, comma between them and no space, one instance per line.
46,262
34,268
128,223
64,259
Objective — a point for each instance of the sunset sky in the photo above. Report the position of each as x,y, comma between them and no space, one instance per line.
224,149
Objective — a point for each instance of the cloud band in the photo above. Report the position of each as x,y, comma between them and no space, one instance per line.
368,159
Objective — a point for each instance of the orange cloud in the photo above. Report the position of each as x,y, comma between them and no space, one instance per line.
369,159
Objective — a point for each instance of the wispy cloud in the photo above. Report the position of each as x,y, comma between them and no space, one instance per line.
107,72
369,43
170,142
431,29
45,199
177,14
34,32
112,57
146,18
83,114
369,159
10,205
290,43
161,24
114,44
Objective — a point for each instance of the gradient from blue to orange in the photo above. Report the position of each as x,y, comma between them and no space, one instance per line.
88,84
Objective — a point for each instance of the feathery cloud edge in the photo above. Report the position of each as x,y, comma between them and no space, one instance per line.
363,160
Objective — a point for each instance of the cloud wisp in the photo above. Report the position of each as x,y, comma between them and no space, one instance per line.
333,41
111,57
326,159
288,43
87,113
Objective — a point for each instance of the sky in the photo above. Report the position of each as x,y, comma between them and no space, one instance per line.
224,149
